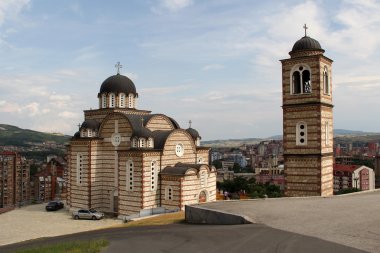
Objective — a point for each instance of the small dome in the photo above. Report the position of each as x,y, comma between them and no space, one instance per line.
306,43
77,135
142,132
90,124
194,133
118,84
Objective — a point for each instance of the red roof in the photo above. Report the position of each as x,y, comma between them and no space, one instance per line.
7,153
349,168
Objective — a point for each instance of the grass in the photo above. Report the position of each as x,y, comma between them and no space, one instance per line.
164,219
93,246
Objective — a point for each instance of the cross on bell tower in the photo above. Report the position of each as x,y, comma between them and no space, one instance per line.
118,66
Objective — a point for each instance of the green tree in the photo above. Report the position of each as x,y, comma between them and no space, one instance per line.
217,164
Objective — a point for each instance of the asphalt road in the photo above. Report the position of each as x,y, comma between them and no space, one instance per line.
198,238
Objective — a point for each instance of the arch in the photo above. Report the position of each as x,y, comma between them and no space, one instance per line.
110,116
141,143
300,79
154,175
326,82
122,100
111,100
327,133
301,134
190,139
168,193
104,101
134,142
130,101
155,119
129,175
202,198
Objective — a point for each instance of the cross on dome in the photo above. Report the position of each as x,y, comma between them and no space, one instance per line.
305,27
190,123
118,66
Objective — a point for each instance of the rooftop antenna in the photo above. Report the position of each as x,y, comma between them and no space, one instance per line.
305,27
118,66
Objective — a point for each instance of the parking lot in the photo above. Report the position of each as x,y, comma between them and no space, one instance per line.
31,222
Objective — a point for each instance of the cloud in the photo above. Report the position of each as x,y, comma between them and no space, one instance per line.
213,67
69,115
9,9
176,5
164,90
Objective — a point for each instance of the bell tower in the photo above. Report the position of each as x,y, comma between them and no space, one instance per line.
307,120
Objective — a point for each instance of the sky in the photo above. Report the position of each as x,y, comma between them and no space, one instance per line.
213,62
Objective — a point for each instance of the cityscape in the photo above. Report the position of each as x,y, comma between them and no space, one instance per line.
197,117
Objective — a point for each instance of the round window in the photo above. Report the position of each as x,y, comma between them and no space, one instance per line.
179,150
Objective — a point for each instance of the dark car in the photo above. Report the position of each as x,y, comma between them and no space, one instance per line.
54,205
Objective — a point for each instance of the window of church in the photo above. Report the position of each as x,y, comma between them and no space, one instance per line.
301,80
326,85
122,100
104,101
134,143
198,142
154,175
129,176
142,142
179,150
150,143
79,169
112,100
168,193
203,179
82,133
89,133
301,134
200,160
327,134
130,101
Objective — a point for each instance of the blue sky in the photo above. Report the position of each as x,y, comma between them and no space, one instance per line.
215,62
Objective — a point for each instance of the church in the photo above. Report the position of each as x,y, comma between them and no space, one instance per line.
124,160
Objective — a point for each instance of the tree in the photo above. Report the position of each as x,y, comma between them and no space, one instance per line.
217,164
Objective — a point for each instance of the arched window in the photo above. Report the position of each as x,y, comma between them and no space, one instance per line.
200,160
112,100
130,100
129,175
168,193
134,143
154,174
150,143
89,133
142,143
301,80
122,100
198,142
326,84
82,133
104,101
80,175
203,179
327,134
301,134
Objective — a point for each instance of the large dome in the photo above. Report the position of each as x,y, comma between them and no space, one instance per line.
118,84
306,43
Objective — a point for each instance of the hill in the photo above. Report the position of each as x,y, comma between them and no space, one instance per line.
341,136
15,136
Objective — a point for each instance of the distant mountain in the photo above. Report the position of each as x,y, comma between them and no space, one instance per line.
352,132
343,135
12,135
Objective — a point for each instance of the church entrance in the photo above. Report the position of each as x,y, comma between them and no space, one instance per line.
202,197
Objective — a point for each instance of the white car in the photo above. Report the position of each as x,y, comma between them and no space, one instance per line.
91,214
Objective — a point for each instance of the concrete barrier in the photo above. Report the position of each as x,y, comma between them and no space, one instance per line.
200,215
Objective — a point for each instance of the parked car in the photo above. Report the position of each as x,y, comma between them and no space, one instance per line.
54,205
91,214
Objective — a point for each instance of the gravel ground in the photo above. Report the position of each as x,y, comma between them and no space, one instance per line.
352,219
31,222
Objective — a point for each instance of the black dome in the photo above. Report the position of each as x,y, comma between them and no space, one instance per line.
194,133
306,43
117,84
90,124
77,135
